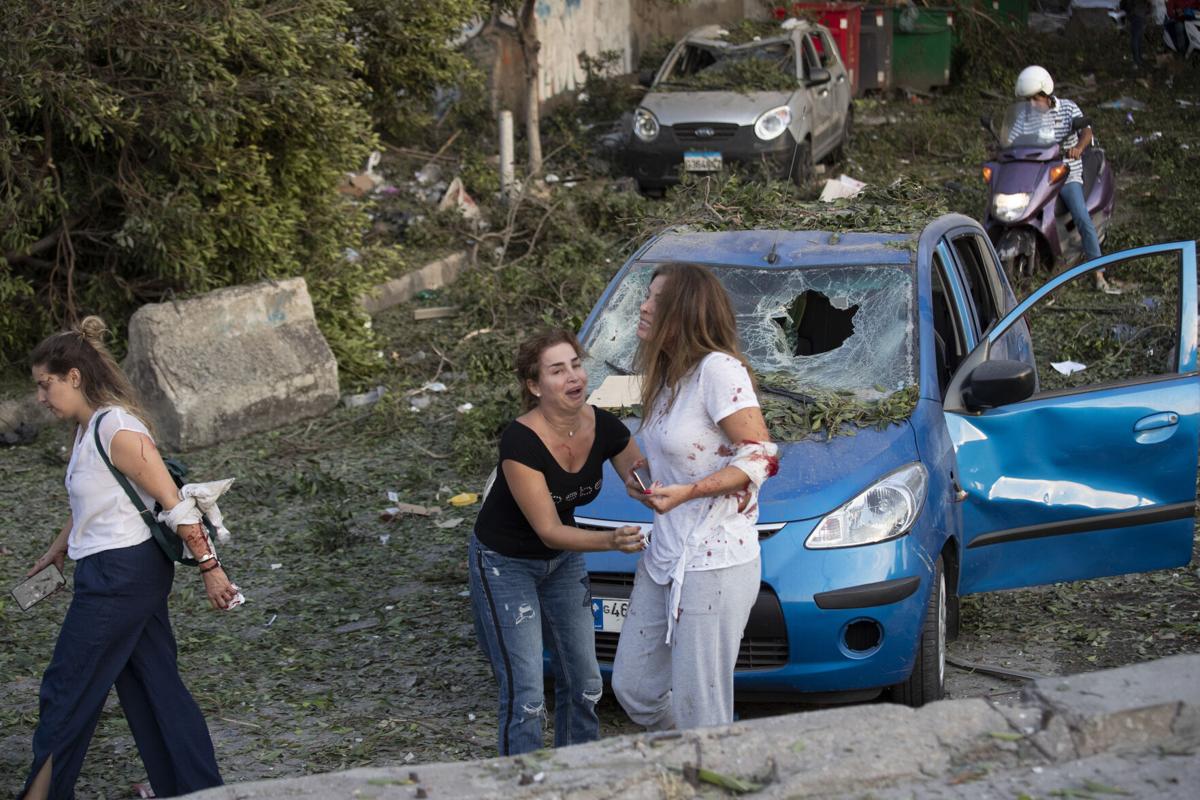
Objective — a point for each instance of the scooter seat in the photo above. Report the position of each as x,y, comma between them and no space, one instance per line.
1093,162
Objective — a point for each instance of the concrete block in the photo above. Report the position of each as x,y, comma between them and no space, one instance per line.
231,362
1129,707
433,275
21,418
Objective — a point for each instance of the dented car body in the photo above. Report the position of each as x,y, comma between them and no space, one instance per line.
993,481
692,121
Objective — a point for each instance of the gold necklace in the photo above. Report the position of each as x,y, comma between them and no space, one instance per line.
570,433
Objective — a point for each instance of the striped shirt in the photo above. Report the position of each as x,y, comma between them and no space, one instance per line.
1060,115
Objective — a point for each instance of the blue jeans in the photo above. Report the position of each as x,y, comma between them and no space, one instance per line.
521,605
117,633
1072,195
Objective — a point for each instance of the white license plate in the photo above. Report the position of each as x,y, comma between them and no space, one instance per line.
704,161
609,613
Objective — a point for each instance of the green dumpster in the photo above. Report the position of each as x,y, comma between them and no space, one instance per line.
922,39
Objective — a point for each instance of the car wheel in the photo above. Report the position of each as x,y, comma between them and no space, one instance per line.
927,681
653,192
840,152
802,164
953,616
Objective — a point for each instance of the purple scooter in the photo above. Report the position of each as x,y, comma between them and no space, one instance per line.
1026,220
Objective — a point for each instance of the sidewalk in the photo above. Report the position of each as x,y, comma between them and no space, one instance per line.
1133,731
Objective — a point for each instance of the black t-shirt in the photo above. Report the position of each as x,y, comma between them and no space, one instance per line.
502,527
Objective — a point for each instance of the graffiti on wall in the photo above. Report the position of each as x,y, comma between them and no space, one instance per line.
568,27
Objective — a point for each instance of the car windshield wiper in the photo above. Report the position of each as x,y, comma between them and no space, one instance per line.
617,369
799,397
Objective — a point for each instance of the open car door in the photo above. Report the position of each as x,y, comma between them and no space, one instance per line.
1094,473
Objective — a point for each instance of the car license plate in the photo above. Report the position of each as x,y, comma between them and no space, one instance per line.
702,161
609,613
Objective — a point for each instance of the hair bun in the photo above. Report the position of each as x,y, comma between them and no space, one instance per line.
93,330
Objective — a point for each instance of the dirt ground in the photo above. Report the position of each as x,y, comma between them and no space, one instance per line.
356,647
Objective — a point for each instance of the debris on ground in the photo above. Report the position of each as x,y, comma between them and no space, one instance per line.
1125,104
464,499
841,187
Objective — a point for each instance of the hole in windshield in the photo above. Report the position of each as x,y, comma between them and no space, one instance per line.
861,327
814,324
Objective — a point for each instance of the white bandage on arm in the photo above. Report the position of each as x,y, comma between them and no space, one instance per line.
759,460
196,500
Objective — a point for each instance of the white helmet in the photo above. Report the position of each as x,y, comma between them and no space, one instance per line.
1034,80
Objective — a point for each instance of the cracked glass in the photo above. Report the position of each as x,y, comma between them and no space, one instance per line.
874,304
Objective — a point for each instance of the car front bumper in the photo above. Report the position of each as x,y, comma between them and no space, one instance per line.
838,623
659,163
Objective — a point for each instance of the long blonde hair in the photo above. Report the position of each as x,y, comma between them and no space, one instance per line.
692,318
101,379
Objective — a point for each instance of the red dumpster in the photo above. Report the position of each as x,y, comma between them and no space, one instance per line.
844,21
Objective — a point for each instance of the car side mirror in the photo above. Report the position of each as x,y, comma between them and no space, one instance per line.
998,383
818,76
646,77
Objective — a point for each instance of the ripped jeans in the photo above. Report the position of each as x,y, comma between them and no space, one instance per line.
521,605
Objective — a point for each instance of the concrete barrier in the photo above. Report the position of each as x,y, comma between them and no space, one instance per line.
231,362
1132,731
433,275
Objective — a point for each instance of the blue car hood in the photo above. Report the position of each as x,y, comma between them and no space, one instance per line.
815,476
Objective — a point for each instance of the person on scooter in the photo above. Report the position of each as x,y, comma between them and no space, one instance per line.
1035,85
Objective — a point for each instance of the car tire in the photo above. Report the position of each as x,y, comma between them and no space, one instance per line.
653,192
841,151
927,681
802,164
953,616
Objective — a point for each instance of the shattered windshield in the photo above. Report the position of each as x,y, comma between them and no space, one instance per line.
831,329
1026,125
765,67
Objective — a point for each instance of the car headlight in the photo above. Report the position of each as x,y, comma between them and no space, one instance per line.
772,123
645,125
1010,207
884,511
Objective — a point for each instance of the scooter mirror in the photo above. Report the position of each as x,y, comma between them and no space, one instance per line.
1079,123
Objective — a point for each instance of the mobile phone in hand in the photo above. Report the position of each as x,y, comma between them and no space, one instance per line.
38,587
642,476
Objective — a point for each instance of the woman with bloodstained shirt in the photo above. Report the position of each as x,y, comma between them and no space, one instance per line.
116,630
529,585
708,452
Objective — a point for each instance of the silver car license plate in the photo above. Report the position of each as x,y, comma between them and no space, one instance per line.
702,161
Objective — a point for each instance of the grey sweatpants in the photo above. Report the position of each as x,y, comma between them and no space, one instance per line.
688,684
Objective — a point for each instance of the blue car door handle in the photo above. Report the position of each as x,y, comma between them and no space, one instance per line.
1156,427
1164,420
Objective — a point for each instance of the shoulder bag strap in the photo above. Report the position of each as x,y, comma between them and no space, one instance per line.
168,540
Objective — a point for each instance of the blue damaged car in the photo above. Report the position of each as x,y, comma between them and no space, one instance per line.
1020,459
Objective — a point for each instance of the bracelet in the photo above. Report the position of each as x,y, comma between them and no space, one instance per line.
206,557
216,565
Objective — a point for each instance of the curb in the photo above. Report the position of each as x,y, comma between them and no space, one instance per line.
1060,727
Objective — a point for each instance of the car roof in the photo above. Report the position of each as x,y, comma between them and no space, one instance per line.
793,248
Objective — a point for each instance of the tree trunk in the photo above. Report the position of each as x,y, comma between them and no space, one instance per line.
530,46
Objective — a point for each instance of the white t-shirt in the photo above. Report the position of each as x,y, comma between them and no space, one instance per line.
103,517
683,445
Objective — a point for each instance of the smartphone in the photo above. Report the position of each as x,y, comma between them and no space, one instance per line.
34,589
642,476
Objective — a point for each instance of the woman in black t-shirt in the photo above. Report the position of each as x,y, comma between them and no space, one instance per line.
529,585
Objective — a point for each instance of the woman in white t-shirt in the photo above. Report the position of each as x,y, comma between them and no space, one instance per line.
116,631
708,452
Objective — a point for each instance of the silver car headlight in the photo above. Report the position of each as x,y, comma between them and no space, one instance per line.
771,124
1010,207
645,125
884,511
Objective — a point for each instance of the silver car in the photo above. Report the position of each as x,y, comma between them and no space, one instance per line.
780,100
